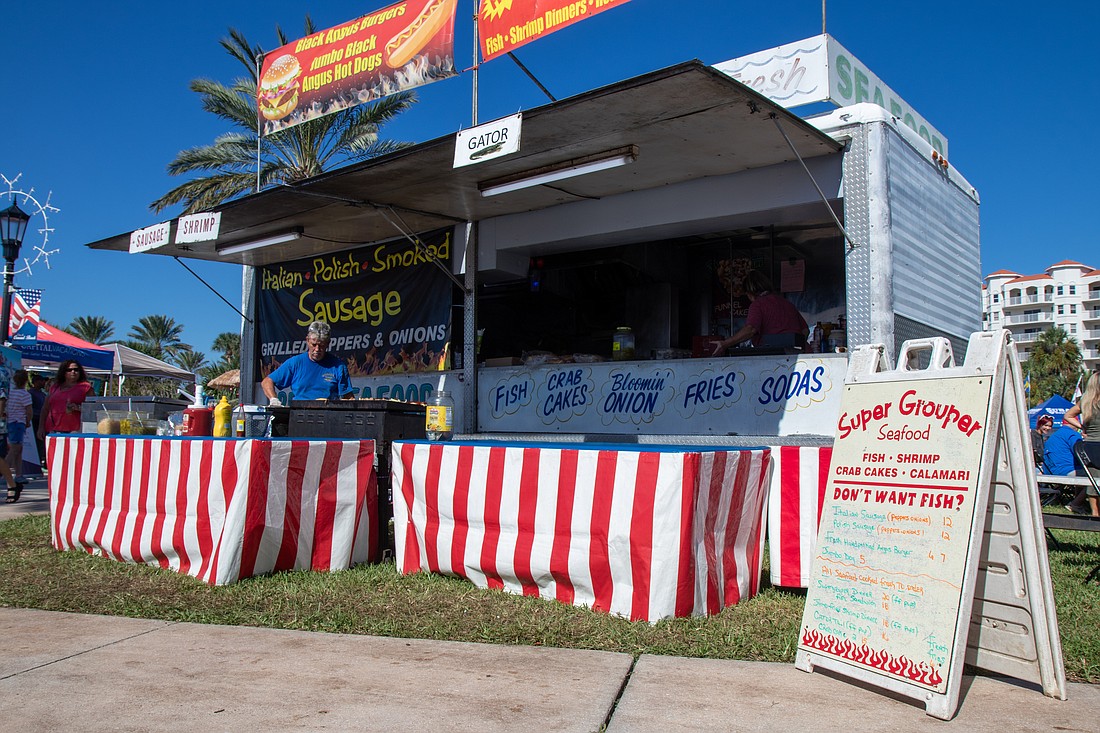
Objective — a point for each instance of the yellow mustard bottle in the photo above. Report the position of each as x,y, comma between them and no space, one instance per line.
223,415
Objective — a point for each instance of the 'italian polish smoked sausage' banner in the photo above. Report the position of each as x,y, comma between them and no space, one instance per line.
389,306
404,45
505,25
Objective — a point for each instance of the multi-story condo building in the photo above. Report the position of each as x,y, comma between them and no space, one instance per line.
1067,295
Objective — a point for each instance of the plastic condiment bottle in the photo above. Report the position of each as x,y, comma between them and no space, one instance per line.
439,419
240,420
223,416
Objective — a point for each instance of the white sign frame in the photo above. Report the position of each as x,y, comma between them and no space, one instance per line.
961,634
488,141
150,238
202,227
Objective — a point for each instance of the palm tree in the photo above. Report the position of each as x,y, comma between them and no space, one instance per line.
1054,365
93,329
187,358
229,344
157,336
289,155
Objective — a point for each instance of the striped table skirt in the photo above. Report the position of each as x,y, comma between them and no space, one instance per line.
646,533
218,509
798,481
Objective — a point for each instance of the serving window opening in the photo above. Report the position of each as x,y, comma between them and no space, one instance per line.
675,295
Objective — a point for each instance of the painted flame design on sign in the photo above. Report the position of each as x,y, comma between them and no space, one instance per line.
491,10
920,673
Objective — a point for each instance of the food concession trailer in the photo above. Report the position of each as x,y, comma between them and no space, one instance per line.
712,188
704,180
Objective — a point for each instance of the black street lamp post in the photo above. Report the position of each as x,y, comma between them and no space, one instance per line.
13,225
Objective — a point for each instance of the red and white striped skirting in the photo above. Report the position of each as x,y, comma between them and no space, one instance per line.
220,510
646,534
798,480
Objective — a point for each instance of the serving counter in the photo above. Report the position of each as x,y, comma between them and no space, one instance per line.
645,532
216,508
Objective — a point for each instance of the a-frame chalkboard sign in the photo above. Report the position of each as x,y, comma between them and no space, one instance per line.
931,549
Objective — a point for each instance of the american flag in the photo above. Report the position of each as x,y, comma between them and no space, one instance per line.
25,305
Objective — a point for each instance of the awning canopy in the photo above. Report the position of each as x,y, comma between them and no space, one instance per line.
684,122
132,363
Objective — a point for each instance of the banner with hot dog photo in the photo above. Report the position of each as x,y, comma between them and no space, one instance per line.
401,46
505,25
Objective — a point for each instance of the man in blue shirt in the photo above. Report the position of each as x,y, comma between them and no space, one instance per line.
312,375
1058,451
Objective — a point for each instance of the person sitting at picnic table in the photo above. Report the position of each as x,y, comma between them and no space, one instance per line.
1043,427
1059,460
314,374
1058,455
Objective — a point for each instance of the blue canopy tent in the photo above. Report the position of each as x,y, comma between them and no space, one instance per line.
1056,407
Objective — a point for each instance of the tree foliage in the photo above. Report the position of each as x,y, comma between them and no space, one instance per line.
187,358
93,329
289,155
1054,366
229,344
158,336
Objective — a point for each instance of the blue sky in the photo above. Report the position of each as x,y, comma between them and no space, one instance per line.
98,104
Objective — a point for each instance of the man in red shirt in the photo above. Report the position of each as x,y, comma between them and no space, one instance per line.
769,314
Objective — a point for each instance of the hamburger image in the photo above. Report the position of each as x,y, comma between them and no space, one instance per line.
279,88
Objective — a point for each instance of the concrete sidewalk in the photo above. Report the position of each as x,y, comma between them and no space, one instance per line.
61,671
35,499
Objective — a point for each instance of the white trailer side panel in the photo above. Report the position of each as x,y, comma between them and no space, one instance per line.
934,227
914,270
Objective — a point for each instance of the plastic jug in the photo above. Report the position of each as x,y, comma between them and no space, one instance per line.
198,421
223,417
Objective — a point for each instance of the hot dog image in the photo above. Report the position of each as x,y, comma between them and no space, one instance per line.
401,49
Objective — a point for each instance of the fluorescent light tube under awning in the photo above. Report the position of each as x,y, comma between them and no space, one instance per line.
233,249
560,171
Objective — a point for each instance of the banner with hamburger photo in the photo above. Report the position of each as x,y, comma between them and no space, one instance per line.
401,46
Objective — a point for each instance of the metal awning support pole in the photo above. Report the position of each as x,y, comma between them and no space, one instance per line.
775,118
469,291
532,77
469,332
212,290
400,225
409,235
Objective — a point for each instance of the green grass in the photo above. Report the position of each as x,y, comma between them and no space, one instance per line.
375,599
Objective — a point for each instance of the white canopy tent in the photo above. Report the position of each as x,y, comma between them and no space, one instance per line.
132,363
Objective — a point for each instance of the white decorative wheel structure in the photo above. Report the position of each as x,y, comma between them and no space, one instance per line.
33,252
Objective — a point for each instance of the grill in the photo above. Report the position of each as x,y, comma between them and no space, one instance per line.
382,421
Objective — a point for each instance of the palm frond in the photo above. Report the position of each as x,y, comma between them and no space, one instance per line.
293,154
236,103
237,46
